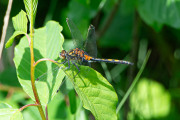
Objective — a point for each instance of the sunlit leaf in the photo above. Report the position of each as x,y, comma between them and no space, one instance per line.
4,105
31,113
20,22
153,99
11,39
47,44
95,92
31,8
20,26
10,114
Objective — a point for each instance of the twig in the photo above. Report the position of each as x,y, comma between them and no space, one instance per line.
22,108
6,21
44,59
36,96
29,39
109,19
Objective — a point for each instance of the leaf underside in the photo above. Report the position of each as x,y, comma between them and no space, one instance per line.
47,44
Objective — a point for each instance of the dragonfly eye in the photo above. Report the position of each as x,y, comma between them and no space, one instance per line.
62,54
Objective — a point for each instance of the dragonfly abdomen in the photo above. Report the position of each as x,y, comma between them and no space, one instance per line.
111,61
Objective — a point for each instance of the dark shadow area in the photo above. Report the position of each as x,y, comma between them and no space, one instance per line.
61,111
9,77
41,71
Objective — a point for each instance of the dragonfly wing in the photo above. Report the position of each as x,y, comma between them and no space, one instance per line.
76,34
43,76
90,44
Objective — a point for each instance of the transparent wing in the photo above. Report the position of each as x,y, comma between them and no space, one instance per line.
46,75
90,44
53,72
76,34
43,76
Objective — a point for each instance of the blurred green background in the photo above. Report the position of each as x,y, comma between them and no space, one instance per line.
125,29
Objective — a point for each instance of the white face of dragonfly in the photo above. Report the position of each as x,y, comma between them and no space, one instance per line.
62,54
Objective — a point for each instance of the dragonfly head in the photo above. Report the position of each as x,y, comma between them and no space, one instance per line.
62,54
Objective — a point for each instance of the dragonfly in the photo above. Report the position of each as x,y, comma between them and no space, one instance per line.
85,51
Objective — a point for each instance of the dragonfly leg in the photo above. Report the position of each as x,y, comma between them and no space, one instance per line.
68,64
77,68
62,62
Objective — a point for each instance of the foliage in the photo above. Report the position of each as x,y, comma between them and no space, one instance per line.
154,104
124,29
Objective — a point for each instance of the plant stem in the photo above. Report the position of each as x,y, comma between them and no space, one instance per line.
45,59
22,108
32,65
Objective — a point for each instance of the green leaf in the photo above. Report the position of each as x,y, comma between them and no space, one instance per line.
127,6
20,22
95,92
154,100
72,101
10,114
11,39
4,105
31,8
118,35
31,113
47,44
9,77
159,12
58,105
20,26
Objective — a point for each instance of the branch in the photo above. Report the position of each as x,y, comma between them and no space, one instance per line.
44,59
22,108
32,63
6,21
